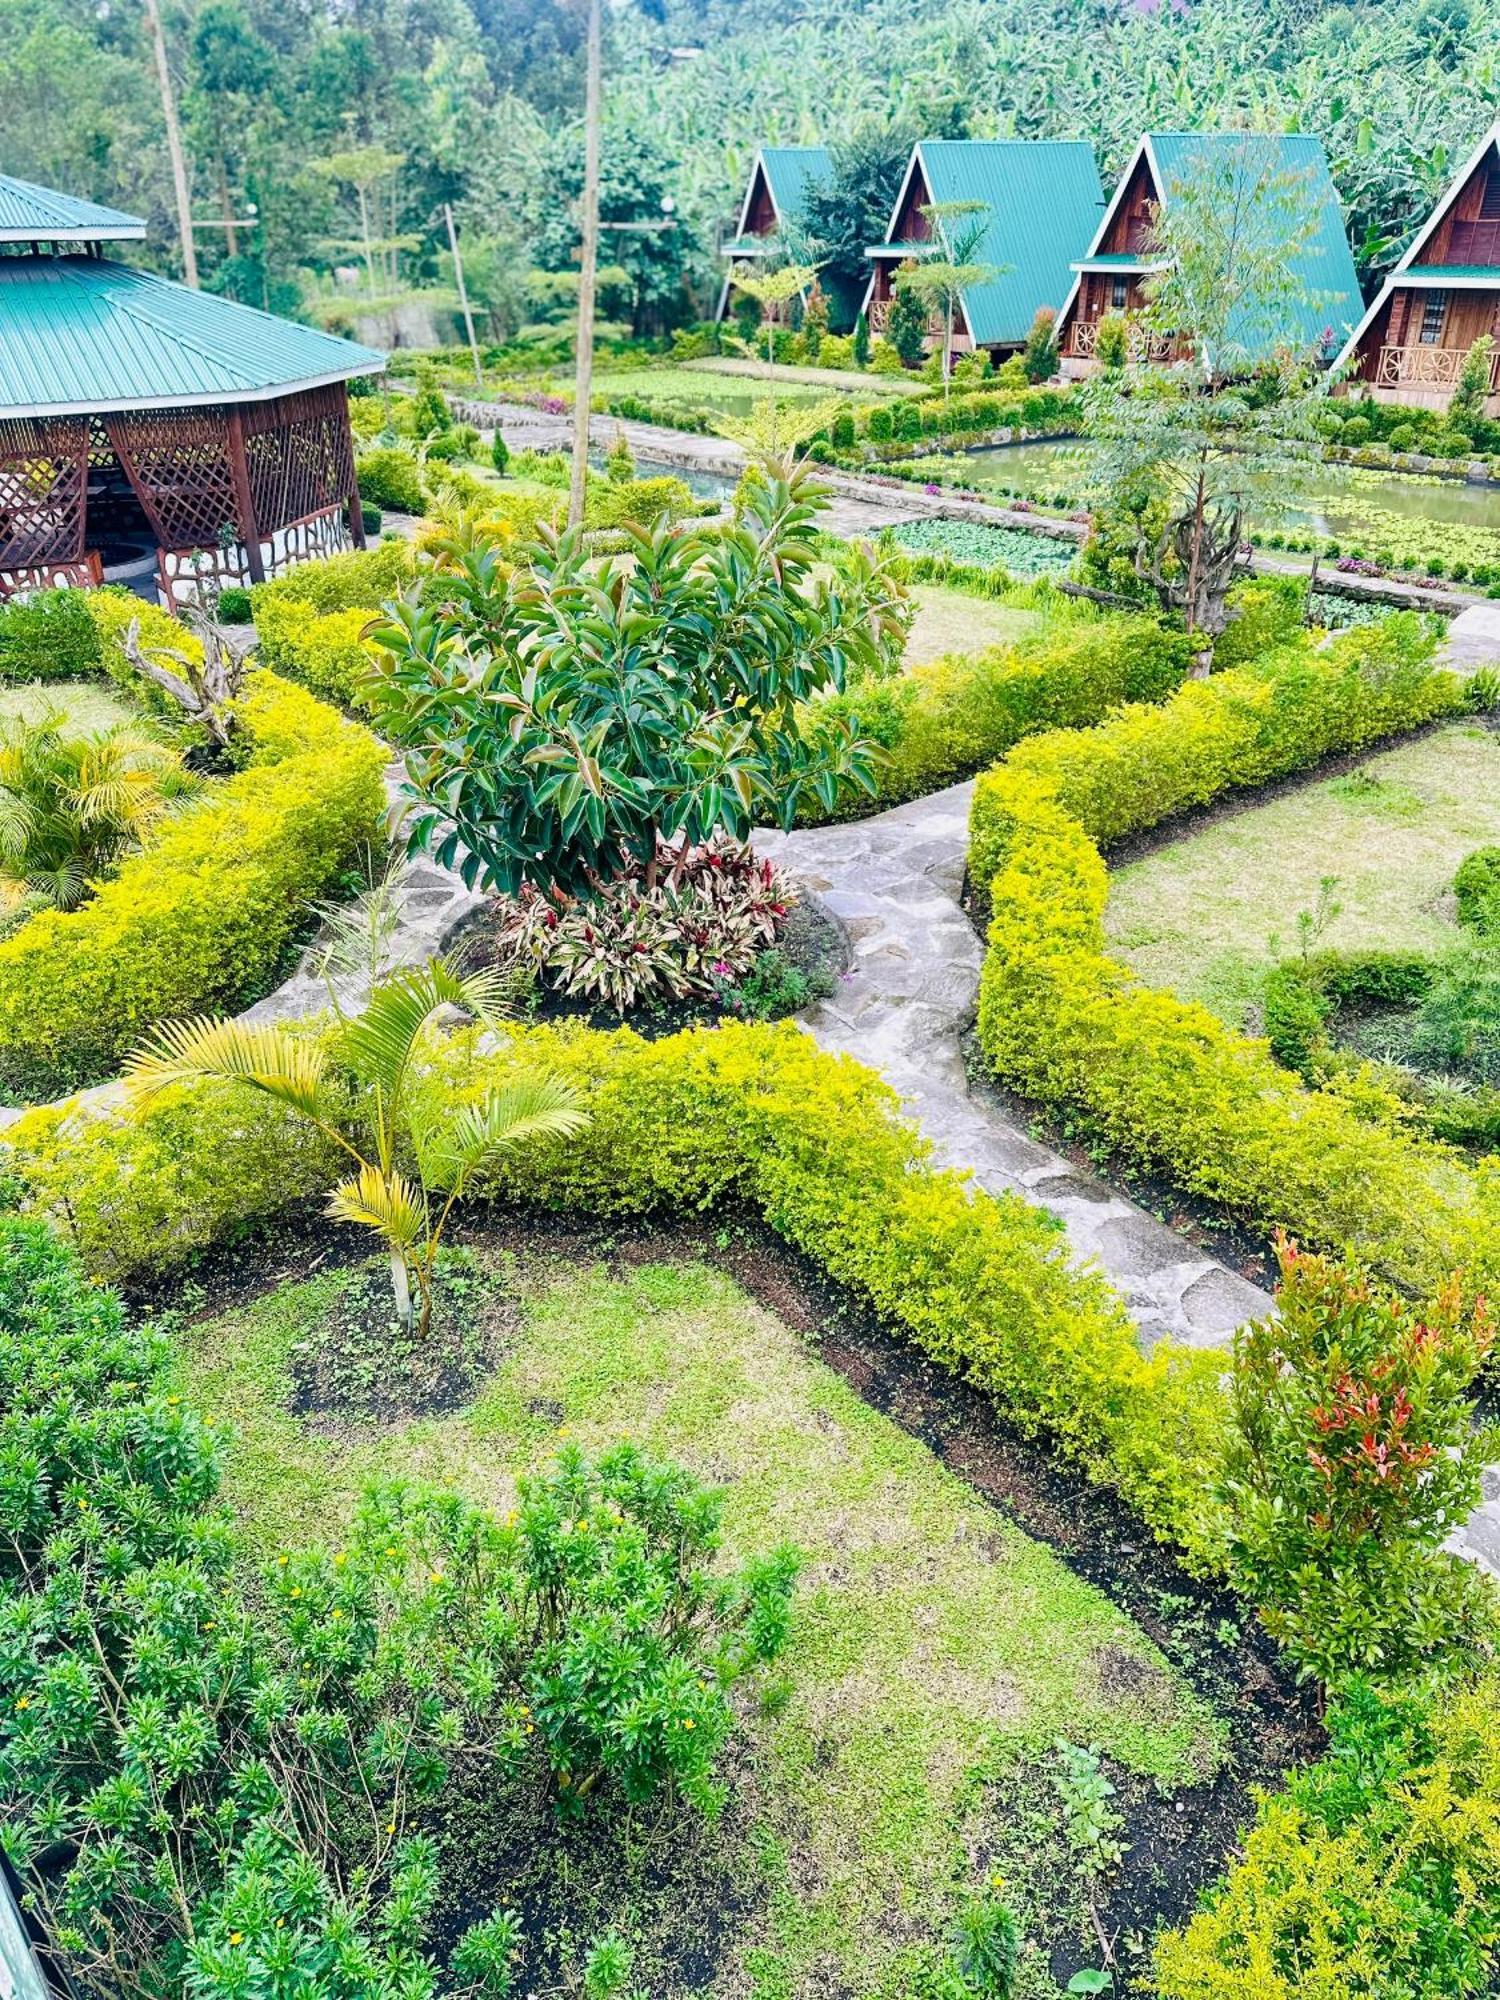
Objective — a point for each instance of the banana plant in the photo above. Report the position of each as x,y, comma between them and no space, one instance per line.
413,1151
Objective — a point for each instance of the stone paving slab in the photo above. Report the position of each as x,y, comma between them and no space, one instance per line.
904,1007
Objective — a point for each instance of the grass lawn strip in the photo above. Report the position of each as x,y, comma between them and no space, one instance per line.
1196,916
934,1644
954,621
86,705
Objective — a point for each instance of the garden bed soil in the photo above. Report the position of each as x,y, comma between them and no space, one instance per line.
811,940
1177,1839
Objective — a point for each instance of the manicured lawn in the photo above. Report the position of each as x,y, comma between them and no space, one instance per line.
1197,915
86,704
954,621
936,1647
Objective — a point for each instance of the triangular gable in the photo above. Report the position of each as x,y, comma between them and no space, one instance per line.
1041,198
1419,242
758,185
1325,265
1142,154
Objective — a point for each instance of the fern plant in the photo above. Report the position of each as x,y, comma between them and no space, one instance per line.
71,805
413,1152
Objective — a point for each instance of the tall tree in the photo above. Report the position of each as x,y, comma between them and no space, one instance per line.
1191,446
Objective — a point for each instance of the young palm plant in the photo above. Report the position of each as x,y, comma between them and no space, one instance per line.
418,1151
72,805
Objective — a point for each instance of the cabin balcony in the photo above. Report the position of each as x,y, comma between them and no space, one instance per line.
879,318
1140,345
1426,376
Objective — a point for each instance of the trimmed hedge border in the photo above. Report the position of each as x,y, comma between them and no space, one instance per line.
204,914
982,1283
1164,1082
946,719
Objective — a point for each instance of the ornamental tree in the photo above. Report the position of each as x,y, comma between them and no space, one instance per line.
1222,424
953,267
1351,1460
568,720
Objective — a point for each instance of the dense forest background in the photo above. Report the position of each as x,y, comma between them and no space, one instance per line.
328,134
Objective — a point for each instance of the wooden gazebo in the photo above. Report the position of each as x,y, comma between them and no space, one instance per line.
151,434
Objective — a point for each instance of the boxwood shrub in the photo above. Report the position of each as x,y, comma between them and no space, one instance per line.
49,637
951,716
1164,1082
204,914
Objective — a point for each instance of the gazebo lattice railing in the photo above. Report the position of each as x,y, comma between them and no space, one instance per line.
235,492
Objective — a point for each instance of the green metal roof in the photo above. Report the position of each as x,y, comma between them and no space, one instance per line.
747,246
1043,200
31,214
1325,266
80,334
1113,260
1449,274
789,169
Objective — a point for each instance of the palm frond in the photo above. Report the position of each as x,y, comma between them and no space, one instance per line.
283,1066
378,1046
537,1108
386,1203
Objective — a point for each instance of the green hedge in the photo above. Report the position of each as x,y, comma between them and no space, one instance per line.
946,719
309,624
49,637
1375,1874
982,1283
1163,1082
361,578
204,915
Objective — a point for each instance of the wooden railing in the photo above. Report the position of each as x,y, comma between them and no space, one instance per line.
1422,367
1139,344
879,317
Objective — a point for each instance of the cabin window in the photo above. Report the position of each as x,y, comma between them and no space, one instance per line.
1119,293
1434,311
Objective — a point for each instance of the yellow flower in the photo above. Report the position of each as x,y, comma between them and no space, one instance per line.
173,1401
208,1423
390,1826
436,1577
281,1562
564,1430
997,1882
510,1519
687,1722
236,1937
335,1615
390,1548
296,1590
340,1559
83,1506
24,1702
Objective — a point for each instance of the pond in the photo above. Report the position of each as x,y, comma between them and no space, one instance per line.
1054,472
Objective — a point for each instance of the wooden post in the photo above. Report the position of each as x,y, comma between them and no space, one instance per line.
463,296
174,145
583,375
244,504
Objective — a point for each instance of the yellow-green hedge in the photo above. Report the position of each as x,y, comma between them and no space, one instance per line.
309,623
951,716
204,915
980,1282
1164,1082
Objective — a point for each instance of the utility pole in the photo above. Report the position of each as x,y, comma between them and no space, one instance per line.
463,295
174,144
583,380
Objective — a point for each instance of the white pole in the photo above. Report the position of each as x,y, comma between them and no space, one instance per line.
583,380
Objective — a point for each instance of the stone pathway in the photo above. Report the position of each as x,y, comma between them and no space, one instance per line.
894,882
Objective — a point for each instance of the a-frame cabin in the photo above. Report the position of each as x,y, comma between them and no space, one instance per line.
1038,201
1443,294
772,206
1110,277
